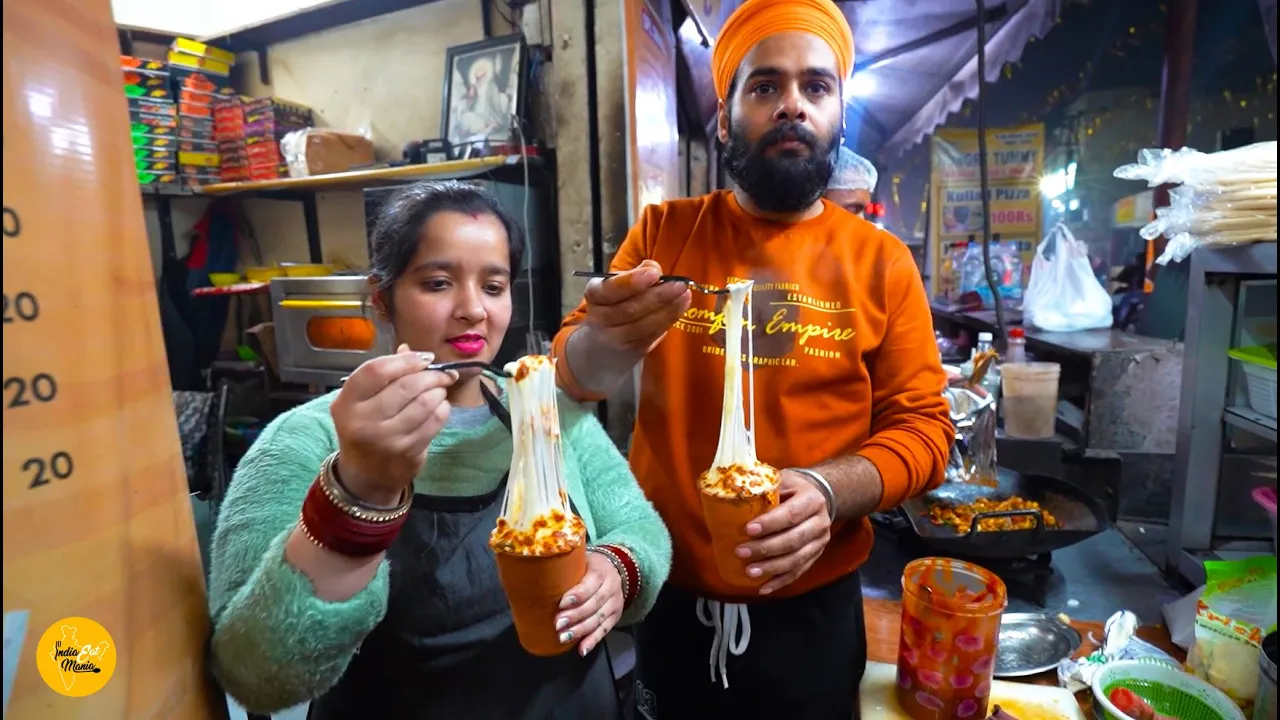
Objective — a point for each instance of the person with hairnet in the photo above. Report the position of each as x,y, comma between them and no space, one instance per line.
852,183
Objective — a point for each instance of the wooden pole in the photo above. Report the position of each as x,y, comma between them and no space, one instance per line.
1175,95
104,597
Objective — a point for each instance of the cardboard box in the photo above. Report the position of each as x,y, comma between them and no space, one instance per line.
137,128
209,160
281,111
234,174
145,106
153,123
156,166
190,79
195,134
149,179
195,182
323,152
128,62
208,66
196,97
147,86
268,172
195,110
201,125
199,49
154,154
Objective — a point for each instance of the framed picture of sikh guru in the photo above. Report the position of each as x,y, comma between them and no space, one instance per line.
483,89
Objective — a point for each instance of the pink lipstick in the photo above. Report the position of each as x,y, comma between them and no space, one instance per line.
468,345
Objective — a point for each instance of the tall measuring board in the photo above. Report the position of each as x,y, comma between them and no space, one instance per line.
104,598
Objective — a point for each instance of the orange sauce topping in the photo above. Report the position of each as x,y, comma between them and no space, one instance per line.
528,364
740,481
552,533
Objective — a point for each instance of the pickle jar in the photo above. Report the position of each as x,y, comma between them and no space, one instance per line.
950,628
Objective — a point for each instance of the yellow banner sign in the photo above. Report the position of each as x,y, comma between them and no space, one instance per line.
1013,210
1012,154
1015,162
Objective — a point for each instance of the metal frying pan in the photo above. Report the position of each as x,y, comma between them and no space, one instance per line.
1079,516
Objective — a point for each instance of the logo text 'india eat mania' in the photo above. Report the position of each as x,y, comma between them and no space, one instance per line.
76,657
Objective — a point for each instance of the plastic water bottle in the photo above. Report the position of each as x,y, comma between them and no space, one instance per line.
972,271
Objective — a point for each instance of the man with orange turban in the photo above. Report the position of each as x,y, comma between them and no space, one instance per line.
847,396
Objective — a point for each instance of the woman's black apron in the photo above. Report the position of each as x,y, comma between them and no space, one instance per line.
447,647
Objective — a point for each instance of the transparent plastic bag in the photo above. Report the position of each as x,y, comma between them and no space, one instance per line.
1063,294
1244,166
1224,198
1120,642
973,454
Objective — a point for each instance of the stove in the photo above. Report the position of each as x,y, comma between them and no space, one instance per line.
1028,579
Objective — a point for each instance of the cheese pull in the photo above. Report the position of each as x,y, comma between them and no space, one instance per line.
538,542
738,487
536,517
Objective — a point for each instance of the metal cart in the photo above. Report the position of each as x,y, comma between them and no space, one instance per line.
1215,468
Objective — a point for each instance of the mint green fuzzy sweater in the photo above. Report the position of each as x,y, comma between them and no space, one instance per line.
275,644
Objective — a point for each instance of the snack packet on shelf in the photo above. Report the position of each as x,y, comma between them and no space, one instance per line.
1236,610
1120,642
539,541
737,488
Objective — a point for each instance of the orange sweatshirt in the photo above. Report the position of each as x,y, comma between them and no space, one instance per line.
846,362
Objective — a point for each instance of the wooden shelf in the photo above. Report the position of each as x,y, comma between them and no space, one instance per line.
361,179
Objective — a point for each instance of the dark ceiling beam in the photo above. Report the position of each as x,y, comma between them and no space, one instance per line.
691,112
259,39
311,21
963,27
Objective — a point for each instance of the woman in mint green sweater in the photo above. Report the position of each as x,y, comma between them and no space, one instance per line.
418,627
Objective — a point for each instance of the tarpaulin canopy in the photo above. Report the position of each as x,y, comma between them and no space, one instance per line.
917,62
1268,8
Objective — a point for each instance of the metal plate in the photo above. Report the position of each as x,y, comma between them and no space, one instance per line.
1031,643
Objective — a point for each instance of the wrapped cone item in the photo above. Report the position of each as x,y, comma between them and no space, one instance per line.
1224,198
737,488
539,542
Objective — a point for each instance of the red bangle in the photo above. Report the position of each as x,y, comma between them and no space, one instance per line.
628,562
332,528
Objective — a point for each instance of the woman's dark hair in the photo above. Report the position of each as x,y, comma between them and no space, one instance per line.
402,217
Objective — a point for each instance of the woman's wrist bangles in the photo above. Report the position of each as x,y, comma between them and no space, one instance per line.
335,519
625,563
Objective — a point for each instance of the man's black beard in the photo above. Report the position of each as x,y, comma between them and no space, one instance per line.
785,183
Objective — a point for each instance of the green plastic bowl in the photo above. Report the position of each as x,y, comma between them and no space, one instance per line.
1168,689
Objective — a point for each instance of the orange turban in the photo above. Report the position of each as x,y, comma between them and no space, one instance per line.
756,20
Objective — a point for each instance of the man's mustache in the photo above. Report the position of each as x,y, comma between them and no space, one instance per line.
789,132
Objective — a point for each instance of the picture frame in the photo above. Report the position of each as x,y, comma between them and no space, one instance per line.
484,85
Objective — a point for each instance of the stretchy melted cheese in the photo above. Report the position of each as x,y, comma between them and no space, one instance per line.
735,472
536,517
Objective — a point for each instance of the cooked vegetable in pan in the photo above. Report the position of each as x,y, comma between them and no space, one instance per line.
960,517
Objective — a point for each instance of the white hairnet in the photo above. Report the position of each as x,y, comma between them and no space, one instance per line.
853,172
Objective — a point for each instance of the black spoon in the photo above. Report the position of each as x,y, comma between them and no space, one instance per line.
662,278
462,365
